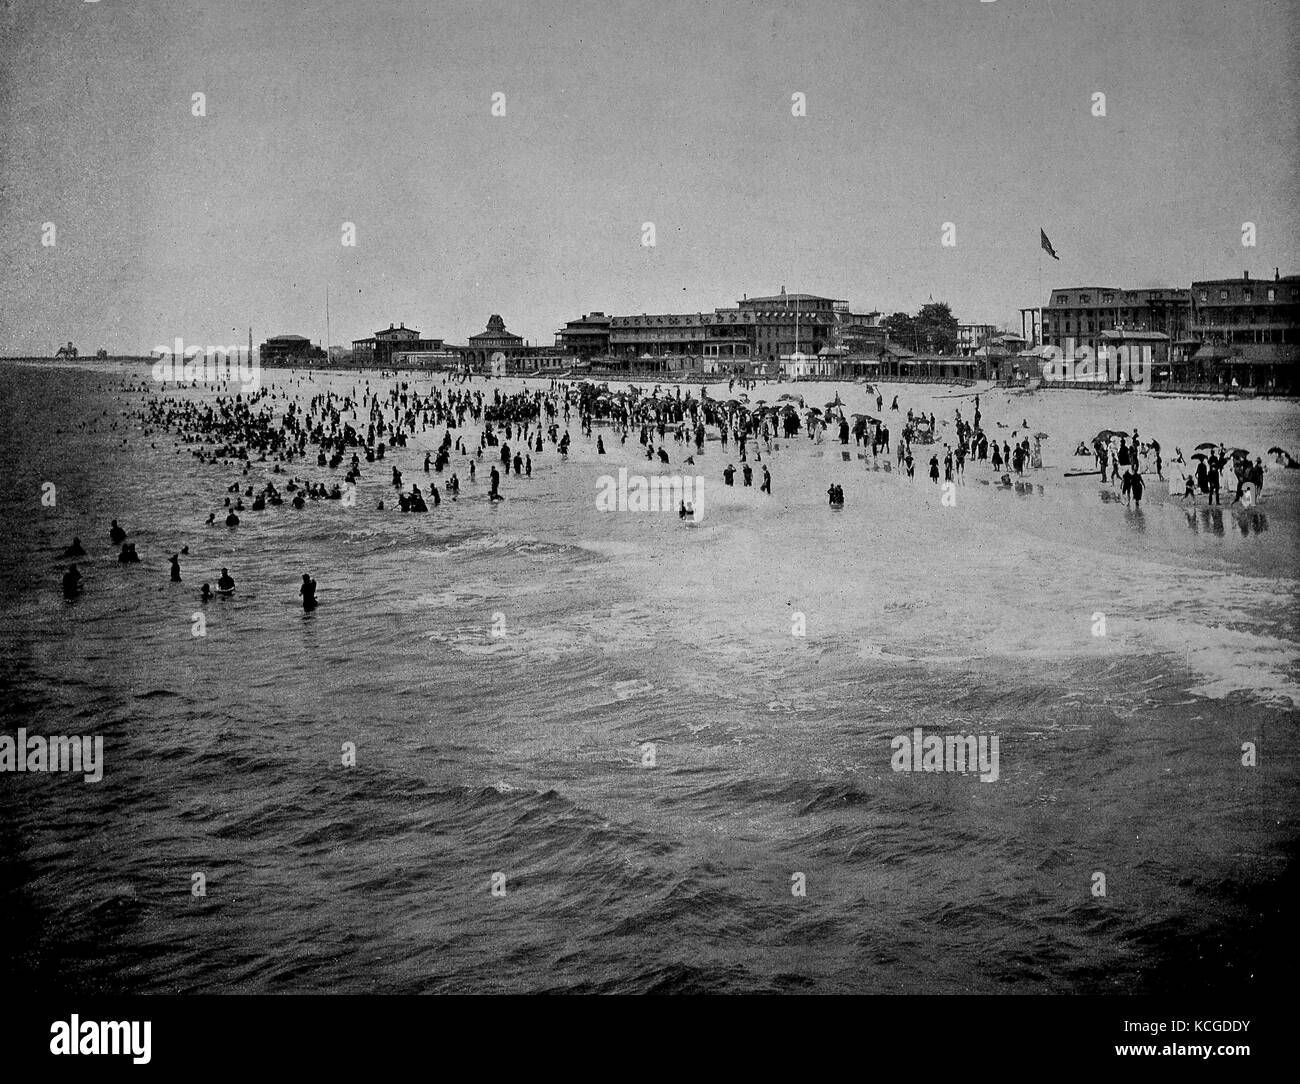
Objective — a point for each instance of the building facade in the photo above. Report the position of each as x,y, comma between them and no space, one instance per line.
970,337
587,337
378,350
1080,314
1246,331
750,338
493,340
289,348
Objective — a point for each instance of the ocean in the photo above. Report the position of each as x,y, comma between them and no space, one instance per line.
592,752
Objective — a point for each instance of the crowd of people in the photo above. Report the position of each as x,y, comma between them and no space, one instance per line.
273,440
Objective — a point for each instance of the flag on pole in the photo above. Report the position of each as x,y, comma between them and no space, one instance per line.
1047,245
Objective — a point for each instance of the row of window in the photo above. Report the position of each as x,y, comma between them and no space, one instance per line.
1248,295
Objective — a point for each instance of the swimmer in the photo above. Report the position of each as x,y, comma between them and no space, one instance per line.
75,549
212,519
71,582
205,595
308,592
128,556
232,520
116,535
176,568
227,582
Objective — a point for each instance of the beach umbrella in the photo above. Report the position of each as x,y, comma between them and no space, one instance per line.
1042,436
814,410
1208,444
1106,434
1240,453
1275,450
1198,455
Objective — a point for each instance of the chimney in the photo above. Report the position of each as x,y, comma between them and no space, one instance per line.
1245,276
1276,276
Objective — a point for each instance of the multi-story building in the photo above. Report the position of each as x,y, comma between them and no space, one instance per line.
497,350
585,338
1079,314
970,337
288,348
378,350
495,339
786,324
750,337
1248,330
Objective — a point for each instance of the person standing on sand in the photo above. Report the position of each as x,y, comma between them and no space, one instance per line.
766,487
1256,477
1135,487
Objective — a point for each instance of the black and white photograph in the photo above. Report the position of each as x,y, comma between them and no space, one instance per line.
590,497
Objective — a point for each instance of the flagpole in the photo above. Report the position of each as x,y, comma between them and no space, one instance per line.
1040,296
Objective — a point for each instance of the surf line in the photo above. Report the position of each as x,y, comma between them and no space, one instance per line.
54,754
963,753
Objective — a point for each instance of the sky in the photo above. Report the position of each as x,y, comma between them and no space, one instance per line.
617,114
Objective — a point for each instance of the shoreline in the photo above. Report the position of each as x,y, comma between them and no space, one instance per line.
705,380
